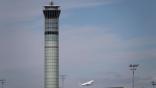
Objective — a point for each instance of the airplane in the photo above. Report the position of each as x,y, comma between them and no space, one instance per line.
88,83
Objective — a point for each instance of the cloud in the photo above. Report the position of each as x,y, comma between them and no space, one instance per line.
85,52
98,40
17,11
72,4
89,52
26,10
21,56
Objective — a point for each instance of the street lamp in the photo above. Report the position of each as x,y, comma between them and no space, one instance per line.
63,77
133,68
153,83
2,81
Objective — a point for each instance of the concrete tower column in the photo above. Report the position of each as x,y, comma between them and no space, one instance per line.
51,68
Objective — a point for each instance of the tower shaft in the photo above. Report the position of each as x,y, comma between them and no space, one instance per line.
51,68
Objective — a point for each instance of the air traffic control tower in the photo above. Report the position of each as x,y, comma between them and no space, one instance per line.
51,62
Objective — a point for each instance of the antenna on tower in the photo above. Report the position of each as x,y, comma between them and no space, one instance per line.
51,2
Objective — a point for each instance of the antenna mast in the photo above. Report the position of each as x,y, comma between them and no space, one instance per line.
51,2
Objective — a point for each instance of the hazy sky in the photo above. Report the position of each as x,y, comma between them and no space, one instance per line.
98,40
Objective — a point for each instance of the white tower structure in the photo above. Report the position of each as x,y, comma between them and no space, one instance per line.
51,68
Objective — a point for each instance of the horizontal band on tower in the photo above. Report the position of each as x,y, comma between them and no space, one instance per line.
51,47
52,32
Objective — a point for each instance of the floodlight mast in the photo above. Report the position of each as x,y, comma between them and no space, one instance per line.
153,83
3,81
63,77
133,68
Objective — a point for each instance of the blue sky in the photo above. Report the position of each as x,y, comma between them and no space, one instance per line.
98,40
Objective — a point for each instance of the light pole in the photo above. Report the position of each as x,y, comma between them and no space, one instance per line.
63,77
133,68
153,83
2,81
